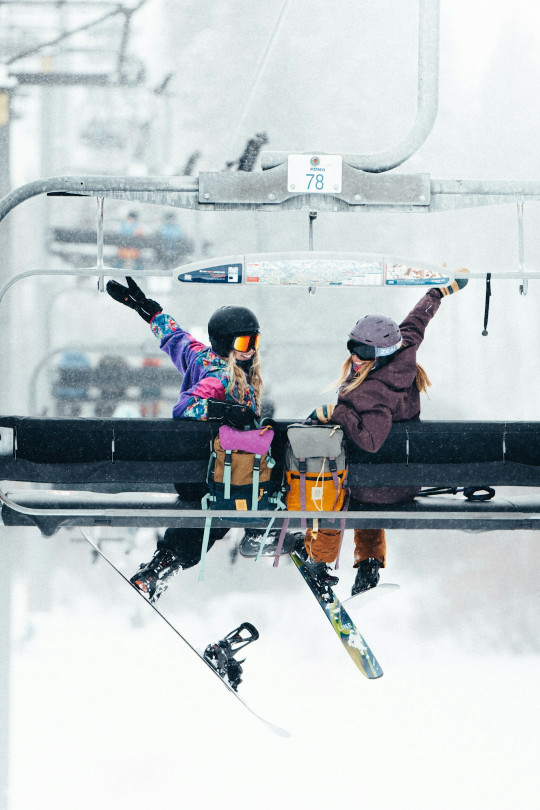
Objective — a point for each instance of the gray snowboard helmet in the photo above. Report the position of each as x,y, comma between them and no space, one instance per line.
374,336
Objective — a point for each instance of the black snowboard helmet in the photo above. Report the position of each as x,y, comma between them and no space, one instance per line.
227,323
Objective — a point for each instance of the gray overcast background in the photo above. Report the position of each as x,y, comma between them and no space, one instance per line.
108,709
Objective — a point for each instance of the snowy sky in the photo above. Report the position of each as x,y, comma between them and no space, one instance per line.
108,708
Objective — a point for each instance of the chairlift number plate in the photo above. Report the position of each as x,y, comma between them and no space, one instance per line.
315,174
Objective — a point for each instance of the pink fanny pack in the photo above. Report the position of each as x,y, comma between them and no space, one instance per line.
250,441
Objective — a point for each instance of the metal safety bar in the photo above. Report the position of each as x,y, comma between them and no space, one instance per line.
227,517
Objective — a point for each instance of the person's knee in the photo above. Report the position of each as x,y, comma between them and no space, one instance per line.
186,544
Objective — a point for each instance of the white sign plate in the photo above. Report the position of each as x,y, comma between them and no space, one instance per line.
315,174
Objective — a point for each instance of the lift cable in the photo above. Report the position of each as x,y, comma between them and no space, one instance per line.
79,29
260,67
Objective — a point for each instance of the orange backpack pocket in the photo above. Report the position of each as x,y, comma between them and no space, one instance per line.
321,494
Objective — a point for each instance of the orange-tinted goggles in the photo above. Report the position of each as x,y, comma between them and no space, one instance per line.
243,343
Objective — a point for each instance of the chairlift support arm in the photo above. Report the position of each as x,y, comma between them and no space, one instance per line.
267,191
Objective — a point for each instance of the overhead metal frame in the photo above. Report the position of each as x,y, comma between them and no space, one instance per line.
427,101
266,190
367,185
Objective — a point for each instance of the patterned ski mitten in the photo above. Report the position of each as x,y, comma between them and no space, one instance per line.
456,285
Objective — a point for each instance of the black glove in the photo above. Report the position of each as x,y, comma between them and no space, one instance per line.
236,415
132,296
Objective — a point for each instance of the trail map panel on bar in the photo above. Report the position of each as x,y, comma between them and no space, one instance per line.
314,269
316,273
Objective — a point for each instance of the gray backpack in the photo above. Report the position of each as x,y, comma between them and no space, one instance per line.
315,468
315,474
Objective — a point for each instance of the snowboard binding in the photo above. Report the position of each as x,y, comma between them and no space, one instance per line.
221,654
323,581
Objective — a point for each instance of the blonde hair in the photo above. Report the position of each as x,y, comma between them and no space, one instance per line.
238,381
421,380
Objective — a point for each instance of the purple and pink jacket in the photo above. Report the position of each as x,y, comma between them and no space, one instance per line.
204,372
388,394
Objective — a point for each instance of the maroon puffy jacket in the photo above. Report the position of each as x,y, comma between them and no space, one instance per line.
388,394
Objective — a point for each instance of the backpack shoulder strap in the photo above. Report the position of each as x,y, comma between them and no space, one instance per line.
227,474
302,468
255,481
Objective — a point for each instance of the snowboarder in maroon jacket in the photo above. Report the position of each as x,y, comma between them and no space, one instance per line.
380,384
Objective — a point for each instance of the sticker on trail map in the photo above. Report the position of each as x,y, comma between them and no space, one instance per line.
316,273
408,274
220,274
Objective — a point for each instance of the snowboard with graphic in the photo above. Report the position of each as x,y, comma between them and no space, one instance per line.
344,627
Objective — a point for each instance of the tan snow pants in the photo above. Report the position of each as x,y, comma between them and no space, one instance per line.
323,545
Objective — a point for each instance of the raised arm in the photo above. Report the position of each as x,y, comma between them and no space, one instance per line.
413,327
178,344
174,341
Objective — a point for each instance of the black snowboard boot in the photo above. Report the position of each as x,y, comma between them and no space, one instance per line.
367,575
152,577
300,545
251,542
320,574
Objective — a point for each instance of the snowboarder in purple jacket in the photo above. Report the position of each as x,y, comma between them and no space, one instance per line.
380,384
228,370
